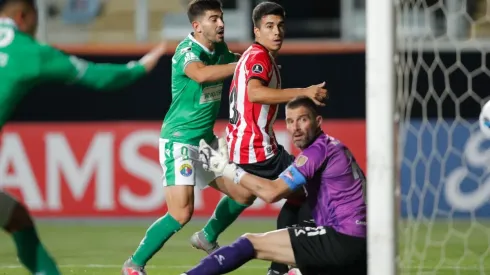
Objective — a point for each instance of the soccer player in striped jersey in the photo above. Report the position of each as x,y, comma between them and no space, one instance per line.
254,96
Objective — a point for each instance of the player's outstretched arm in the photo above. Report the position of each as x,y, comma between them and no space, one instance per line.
57,66
260,93
201,73
269,191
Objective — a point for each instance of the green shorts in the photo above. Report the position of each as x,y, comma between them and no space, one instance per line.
181,165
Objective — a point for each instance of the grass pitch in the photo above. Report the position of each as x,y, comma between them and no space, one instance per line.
101,247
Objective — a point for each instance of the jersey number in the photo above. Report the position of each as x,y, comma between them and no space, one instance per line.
310,231
184,152
233,110
6,36
357,173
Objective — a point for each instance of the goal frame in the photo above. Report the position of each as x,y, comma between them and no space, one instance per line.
380,135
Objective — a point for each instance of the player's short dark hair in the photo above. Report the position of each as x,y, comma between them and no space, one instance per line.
303,101
198,8
4,3
264,9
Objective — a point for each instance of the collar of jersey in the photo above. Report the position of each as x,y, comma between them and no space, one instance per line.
7,21
191,37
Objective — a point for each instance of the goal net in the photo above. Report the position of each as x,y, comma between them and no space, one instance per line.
442,78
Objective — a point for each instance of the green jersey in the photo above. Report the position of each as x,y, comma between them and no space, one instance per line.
25,63
194,105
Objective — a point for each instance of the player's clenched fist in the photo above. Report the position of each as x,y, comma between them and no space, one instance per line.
216,160
317,93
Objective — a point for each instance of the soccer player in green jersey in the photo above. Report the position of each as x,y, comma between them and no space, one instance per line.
24,63
200,64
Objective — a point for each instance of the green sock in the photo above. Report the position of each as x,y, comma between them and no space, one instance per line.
226,212
32,254
156,236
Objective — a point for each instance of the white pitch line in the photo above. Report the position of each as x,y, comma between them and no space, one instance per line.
432,268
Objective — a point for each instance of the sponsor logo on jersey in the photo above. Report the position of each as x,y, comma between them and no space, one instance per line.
185,170
268,150
301,160
257,68
190,56
211,94
358,222
186,49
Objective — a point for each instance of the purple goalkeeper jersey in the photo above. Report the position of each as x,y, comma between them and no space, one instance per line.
334,185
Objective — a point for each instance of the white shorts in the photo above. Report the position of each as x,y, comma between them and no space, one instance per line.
7,205
181,165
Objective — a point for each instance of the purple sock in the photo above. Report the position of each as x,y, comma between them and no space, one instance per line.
225,259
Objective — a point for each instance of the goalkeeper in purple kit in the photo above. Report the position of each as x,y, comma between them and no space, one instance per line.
334,185
25,63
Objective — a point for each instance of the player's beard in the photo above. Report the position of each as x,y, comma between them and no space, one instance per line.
216,35
212,36
307,139
303,141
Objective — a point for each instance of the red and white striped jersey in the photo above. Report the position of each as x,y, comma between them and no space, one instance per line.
250,136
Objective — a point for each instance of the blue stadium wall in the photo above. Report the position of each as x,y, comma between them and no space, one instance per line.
445,171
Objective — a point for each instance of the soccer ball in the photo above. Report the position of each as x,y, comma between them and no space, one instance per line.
485,119
294,271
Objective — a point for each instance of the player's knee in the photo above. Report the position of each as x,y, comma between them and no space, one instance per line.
14,216
243,195
180,202
237,192
248,236
7,205
245,198
182,215
254,238
263,251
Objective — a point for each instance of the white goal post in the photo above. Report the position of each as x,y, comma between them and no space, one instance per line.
428,164
380,137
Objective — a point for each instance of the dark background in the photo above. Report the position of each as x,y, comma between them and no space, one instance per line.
451,94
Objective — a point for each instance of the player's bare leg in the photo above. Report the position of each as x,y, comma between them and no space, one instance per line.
238,196
180,203
237,199
294,212
271,246
16,220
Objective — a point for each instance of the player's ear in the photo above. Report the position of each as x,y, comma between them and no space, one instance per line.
196,26
257,32
319,120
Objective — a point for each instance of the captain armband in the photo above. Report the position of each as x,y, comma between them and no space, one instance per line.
293,178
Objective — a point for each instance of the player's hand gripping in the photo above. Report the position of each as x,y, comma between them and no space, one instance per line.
317,93
216,161
150,60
